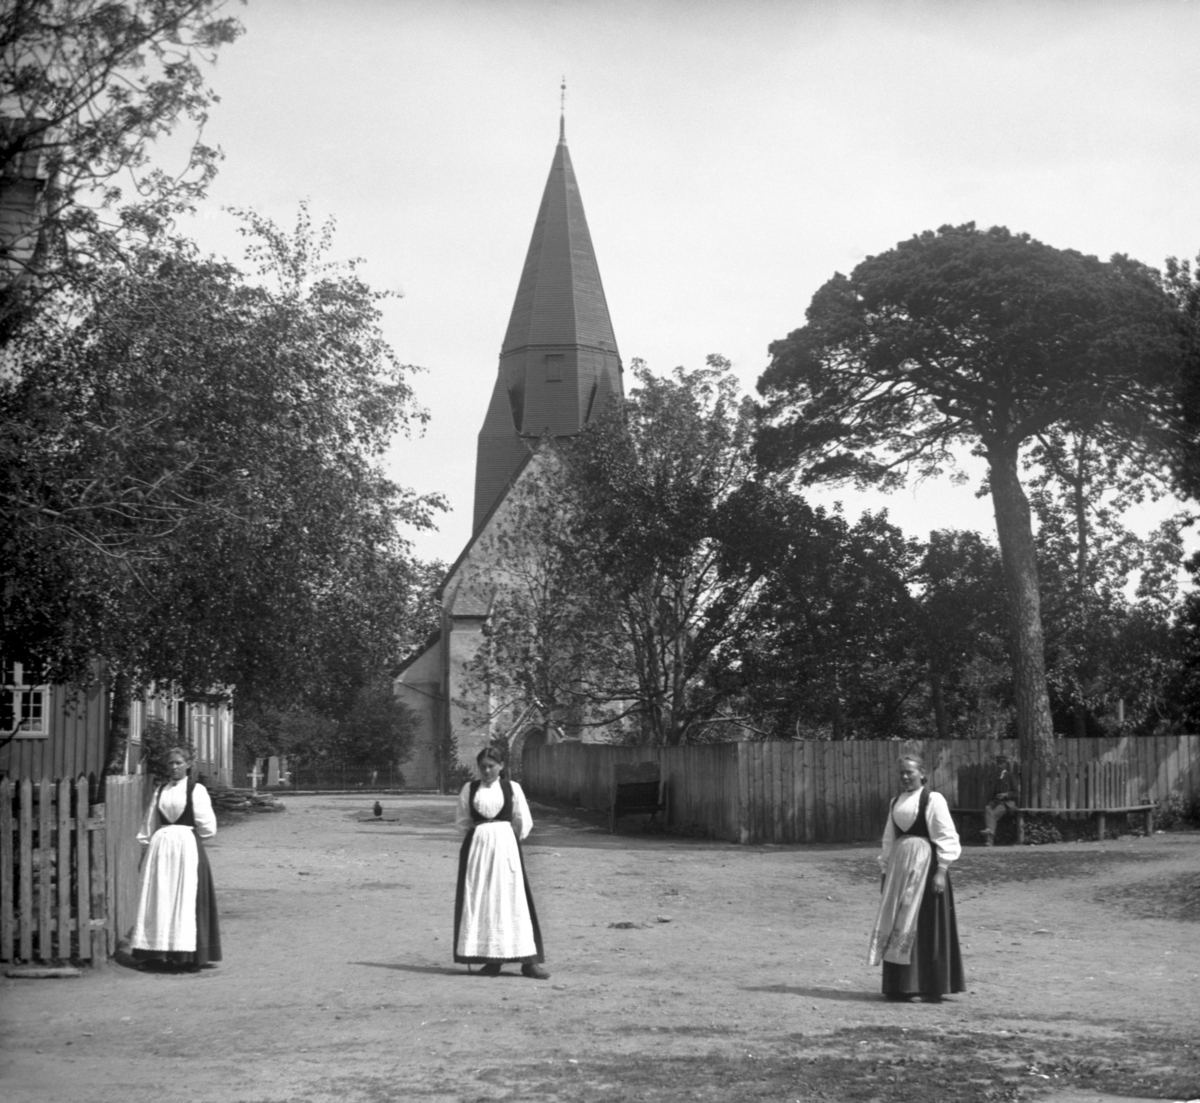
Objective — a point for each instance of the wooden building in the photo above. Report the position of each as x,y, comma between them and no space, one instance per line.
56,732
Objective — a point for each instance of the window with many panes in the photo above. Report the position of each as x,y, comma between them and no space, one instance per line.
23,701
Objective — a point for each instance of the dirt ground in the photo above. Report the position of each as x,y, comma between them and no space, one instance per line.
682,970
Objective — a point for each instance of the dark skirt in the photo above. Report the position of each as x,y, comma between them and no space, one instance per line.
935,968
208,929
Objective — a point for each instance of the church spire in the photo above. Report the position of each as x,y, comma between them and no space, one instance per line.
559,362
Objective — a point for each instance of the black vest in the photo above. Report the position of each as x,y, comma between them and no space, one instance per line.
919,829
505,812
187,818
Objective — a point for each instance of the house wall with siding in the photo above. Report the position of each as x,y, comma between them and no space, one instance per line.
76,739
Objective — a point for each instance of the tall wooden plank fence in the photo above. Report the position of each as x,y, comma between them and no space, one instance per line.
830,791
65,871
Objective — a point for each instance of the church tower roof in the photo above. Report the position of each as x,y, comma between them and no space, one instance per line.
559,362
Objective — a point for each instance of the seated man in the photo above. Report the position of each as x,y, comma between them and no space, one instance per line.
1004,797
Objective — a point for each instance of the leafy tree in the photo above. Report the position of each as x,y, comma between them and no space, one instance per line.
981,339
661,483
1182,284
1183,678
191,490
825,651
378,729
616,596
1088,557
860,632
958,606
301,734
86,87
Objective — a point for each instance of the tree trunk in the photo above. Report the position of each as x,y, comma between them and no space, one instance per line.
118,724
1018,557
1082,594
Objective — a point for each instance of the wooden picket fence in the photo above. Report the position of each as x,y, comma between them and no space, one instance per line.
68,873
838,791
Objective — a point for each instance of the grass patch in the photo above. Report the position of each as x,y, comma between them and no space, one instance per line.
866,1065
1175,897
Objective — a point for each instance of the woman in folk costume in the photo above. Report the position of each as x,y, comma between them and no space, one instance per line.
916,932
494,917
177,909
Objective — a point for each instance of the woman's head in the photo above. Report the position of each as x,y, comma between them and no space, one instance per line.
490,762
912,771
178,761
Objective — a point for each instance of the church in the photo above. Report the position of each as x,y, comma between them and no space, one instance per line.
558,368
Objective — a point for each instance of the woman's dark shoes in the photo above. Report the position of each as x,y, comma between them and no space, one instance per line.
931,997
534,970
897,997
490,969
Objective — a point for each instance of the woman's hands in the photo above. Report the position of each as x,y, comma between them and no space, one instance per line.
939,881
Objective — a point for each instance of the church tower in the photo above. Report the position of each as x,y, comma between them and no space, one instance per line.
559,363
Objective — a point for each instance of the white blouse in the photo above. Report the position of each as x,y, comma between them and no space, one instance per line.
488,802
172,800
937,818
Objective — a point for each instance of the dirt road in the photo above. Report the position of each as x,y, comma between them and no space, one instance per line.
682,969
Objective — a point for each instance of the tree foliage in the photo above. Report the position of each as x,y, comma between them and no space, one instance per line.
982,339
86,88
857,631
1182,284
822,651
1089,558
961,638
374,729
191,489
617,596
662,485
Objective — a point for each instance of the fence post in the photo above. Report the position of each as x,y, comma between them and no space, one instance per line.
6,871
45,870
742,815
25,866
64,869
98,924
83,895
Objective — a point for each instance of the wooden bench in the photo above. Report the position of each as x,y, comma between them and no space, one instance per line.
638,790
1094,789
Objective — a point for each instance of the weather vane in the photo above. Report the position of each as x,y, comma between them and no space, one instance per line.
562,109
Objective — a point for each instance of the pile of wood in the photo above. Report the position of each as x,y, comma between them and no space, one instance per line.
225,799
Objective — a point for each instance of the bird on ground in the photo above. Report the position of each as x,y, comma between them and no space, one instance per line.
378,810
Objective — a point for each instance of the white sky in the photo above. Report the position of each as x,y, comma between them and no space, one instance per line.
731,154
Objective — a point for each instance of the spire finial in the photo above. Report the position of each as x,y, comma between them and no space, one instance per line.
562,109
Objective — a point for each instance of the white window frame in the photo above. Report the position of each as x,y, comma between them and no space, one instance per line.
38,697
137,720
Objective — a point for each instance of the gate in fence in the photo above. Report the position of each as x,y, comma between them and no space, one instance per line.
68,872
